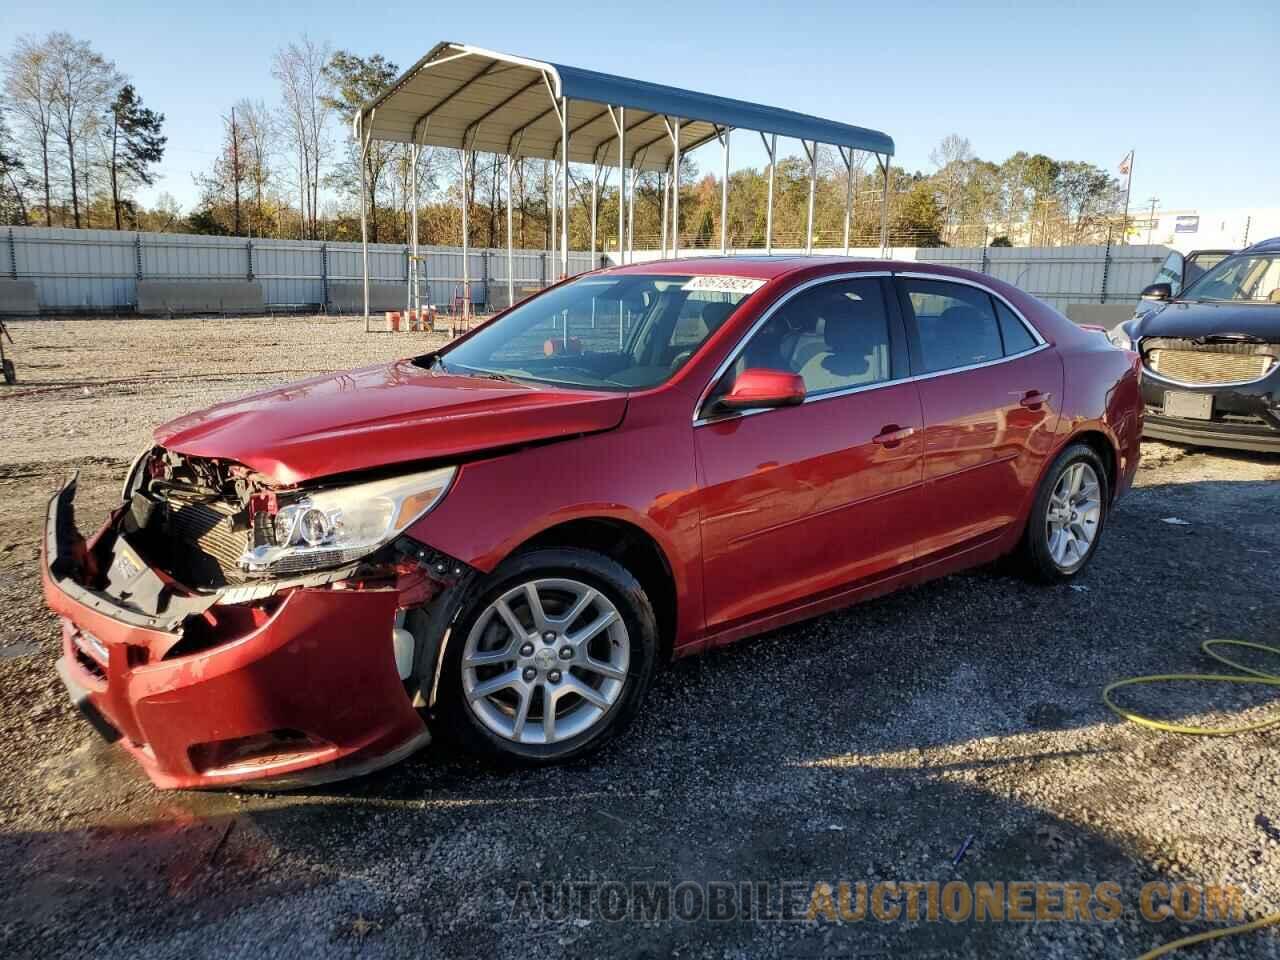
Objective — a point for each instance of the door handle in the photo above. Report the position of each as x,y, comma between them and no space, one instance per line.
1034,399
892,435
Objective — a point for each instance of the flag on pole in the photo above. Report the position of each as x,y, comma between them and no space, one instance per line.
1127,163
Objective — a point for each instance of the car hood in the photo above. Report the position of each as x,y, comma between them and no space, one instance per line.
382,415
1191,319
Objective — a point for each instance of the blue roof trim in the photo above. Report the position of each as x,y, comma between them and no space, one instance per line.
579,84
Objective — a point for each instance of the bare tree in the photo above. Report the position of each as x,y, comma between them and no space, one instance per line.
954,159
29,88
258,134
83,82
305,91
221,189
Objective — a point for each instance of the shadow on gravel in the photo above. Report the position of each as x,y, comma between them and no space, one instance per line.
444,871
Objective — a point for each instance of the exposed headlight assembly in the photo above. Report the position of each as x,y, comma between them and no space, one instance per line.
1119,337
327,528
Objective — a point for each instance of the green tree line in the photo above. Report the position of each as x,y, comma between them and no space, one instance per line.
77,145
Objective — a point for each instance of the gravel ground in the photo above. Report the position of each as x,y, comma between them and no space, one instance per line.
863,746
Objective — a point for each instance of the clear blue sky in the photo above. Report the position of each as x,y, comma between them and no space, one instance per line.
1192,86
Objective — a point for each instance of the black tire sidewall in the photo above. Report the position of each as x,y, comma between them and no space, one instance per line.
595,570
1036,541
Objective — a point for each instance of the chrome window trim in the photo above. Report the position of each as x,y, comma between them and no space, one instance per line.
1041,344
1035,334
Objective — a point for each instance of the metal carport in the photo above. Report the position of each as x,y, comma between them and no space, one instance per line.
472,99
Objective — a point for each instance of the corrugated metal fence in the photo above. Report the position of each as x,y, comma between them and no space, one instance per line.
98,270
1057,275
1061,275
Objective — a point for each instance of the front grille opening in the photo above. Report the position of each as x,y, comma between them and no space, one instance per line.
1207,364
219,625
258,751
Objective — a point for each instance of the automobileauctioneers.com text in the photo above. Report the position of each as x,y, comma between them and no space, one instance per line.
798,901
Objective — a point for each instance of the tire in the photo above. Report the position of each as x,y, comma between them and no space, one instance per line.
1046,556
482,702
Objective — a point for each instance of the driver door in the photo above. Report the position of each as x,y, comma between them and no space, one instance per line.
810,502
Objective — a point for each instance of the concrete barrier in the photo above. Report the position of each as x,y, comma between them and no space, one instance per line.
18,298
1099,314
498,294
383,296
195,296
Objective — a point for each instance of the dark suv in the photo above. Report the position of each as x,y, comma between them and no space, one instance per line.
1211,354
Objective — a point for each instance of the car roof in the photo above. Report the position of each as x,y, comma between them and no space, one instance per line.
754,267
1264,246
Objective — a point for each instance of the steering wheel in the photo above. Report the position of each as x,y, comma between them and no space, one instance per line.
681,358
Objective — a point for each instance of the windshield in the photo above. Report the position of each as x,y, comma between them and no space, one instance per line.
606,332
1241,279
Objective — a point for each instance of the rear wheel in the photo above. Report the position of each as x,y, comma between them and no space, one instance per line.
552,659
1068,515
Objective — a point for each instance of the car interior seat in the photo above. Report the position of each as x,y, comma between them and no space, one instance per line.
854,335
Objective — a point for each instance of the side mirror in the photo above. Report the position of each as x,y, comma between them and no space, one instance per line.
757,388
1157,291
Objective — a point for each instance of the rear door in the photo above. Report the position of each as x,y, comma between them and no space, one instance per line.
804,502
990,389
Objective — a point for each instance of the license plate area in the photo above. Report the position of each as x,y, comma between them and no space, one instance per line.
1188,406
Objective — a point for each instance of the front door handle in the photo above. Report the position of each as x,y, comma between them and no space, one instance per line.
1034,399
892,435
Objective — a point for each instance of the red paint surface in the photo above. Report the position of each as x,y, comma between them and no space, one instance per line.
762,519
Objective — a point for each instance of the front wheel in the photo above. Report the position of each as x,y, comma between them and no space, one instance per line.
552,658
1068,515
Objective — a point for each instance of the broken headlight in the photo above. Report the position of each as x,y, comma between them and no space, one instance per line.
327,528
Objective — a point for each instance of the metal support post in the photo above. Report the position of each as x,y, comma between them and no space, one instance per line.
664,184
813,189
564,187
848,193
771,146
724,198
595,199
324,278
511,257
622,177
675,193
884,209
364,203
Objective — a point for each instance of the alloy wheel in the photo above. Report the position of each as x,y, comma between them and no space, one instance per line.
545,661
1075,510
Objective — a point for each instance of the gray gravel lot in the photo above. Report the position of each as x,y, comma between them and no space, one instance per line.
862,746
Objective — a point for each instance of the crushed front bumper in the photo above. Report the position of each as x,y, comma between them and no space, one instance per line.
1240,416
309,693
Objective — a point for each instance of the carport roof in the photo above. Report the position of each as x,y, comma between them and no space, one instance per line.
459,95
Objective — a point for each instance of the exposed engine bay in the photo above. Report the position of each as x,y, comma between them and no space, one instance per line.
181,550
195,519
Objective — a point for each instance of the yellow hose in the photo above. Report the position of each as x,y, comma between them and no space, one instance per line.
1253,676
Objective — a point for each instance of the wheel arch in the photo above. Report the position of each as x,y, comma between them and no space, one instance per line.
1105,447
631,546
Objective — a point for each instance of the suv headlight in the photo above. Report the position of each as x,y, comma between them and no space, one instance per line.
327,528
1119,337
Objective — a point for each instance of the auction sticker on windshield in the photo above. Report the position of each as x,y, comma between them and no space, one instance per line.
708,284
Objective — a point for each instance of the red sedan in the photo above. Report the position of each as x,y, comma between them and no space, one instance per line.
510,535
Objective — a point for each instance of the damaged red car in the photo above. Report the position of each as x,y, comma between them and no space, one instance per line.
508,536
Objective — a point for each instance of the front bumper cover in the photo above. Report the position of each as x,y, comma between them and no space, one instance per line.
1245,416
309,694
